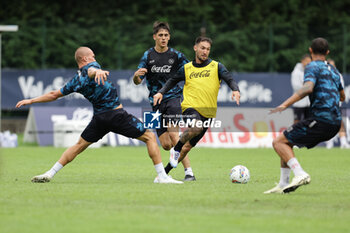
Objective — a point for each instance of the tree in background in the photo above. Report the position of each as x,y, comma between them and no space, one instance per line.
250,36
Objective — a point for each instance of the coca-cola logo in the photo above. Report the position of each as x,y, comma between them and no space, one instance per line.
202,74
161,69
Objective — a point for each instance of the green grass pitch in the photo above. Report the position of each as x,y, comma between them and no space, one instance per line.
111,190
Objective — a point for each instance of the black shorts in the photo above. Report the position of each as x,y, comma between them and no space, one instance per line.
301,113
309,132
171,111
190,114
117,121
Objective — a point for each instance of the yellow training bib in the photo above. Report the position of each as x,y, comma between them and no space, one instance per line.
201,88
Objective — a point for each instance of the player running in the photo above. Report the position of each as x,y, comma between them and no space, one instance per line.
157,65
202,82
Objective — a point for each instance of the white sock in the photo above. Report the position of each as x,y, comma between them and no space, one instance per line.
343,140
284,178
188,171
54,169
160,170
296,167
329,143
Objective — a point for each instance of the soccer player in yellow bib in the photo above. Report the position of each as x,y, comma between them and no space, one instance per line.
202,82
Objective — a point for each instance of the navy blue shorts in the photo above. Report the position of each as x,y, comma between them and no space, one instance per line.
309,132
171,111
117,121
191,114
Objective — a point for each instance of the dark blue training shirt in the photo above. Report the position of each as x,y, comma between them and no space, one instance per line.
161,67
325,96
103,97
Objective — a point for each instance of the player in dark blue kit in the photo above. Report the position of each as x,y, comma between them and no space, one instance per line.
322,84
157,65
109,115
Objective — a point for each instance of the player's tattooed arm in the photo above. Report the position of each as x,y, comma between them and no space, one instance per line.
306,89
301,93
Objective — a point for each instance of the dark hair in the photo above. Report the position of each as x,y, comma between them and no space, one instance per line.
319,46
160,25
203,38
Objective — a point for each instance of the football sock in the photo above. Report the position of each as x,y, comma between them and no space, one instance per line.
168,168
54,169
188,171
160,170
284,178
329,143
343,140
296,167
178,146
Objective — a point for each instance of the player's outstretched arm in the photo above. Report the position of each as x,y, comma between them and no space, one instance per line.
140,72
99,75
48,97
157,98
301,93
280,108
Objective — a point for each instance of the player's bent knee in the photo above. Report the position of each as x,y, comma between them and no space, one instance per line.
147,137
274,143
82,144
280,140
165,141
167,146
277,140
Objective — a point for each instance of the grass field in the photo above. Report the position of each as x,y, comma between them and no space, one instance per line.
111,190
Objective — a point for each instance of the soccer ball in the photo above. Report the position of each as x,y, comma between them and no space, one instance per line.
239,174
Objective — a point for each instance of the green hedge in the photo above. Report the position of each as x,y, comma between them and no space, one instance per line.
249,36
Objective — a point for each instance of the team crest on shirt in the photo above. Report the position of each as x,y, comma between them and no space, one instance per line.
171,61
151,61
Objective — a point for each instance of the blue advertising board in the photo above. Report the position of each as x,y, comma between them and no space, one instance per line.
257,89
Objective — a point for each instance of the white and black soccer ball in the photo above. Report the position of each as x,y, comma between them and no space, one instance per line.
239,174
